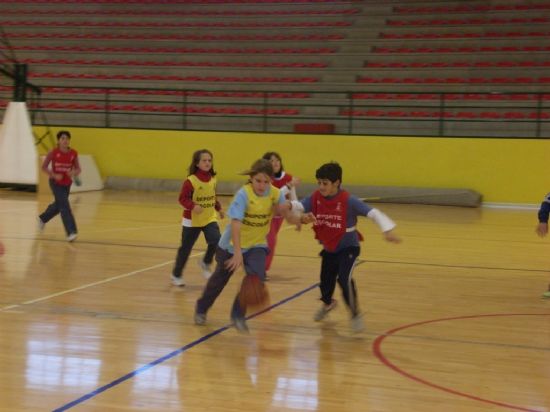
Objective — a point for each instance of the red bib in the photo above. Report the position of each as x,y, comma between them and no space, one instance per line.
331,217
62,163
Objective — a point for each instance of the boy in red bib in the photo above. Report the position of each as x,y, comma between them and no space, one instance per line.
336,212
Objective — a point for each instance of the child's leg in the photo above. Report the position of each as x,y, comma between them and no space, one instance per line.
52,210
346,264
276,223
254,264
212,236
62,200
329,272
215,283
189,236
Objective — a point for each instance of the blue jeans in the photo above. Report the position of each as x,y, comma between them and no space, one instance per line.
61,206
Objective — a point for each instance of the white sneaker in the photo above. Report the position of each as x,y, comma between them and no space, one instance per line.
72,237
324,311
205,268
200,319
41,225
357,323
177,281
240,325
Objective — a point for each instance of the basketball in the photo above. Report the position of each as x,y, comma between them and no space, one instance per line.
253,292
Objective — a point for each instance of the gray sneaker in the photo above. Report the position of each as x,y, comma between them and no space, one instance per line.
200,318
206,269
177,281
324,310
41,225
357,323
240,325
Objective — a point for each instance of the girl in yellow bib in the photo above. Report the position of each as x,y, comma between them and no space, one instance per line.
244,240
198,198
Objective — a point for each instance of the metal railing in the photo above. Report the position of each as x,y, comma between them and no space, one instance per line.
495,114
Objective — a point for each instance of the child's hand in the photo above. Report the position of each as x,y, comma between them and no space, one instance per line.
197,209
542,229
308,218
57,176
392,237
294,182
234,262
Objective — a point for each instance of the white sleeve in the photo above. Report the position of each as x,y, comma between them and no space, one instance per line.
293,195
384,222
297,206
284,190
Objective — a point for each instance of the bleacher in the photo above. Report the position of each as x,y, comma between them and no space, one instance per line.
464,68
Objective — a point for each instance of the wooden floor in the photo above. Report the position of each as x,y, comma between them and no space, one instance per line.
454,317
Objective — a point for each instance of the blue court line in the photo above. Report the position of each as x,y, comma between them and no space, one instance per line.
173,354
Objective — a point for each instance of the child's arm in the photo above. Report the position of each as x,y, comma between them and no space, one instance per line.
385,224
297,215
544,211
186,197
47,170
219,209
236,260
75,169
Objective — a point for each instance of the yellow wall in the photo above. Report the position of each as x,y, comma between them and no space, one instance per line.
502,170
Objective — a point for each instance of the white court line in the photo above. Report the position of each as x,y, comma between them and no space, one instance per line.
54,295
126,229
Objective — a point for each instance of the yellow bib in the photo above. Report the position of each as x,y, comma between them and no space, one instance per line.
204,194
257,217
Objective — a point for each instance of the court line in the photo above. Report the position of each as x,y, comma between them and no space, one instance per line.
88,285
386,361
128,229
172,354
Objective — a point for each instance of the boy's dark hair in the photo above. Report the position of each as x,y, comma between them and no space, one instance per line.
195,160
62,133
269,155
330,171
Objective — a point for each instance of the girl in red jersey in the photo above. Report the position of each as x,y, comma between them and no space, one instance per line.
198,198
64,168
287,184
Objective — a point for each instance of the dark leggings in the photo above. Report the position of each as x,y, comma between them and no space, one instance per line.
189,236
338,267
254,264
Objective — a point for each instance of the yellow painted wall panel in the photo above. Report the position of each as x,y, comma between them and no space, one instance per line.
502,170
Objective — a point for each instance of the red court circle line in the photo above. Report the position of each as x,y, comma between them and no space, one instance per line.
377,345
